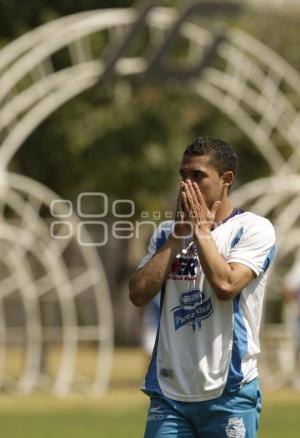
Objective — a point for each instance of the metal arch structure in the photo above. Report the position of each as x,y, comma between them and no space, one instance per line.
37,274
251,88
248,82
276,197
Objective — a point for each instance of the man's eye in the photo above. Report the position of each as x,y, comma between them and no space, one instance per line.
198,175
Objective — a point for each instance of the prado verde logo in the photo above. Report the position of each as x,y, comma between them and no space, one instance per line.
195,306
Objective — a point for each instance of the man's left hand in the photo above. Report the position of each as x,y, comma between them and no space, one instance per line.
202,218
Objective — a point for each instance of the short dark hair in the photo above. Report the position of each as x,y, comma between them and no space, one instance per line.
221,156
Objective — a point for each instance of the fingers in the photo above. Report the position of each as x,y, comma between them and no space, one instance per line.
189,201
195,207
194,196
199,195
179,205
196,202
185,202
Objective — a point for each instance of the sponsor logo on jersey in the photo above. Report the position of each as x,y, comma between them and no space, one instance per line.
184,268
195,306
235,428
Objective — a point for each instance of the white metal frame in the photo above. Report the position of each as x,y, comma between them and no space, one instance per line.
30,234
250,86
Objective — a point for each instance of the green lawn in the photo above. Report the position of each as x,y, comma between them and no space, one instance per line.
281,420
121,412
76,424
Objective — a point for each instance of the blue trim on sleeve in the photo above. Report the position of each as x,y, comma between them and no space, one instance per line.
237,237
239,348
151,379
160,240
269,259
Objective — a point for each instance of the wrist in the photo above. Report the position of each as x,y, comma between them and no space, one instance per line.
182,230
202,234
174,238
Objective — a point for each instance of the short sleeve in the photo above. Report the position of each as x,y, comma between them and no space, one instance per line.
254,245
157,240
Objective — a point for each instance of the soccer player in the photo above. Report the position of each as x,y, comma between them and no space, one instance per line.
211,266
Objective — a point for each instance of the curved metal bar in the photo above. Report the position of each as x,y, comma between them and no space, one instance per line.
61,38
60,282
274,184
48,252
42,110
244,122
33,327
81,25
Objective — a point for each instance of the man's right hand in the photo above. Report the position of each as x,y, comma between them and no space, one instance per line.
183,226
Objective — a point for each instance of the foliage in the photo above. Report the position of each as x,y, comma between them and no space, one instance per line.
18,17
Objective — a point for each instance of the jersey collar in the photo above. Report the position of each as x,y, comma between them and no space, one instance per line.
234,212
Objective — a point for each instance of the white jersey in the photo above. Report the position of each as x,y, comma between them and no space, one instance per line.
204,345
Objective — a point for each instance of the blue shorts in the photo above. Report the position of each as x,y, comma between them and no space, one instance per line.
230,415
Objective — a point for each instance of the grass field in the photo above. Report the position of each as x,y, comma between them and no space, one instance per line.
121,412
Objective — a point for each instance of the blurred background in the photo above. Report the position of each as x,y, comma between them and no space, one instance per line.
94,118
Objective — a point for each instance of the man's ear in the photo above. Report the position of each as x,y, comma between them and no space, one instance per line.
228,178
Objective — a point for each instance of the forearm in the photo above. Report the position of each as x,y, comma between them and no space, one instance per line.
226,279
217,271
147,281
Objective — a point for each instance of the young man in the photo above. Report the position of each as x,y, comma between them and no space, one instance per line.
211,267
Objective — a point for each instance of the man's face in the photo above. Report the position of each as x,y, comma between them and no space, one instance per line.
197,169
